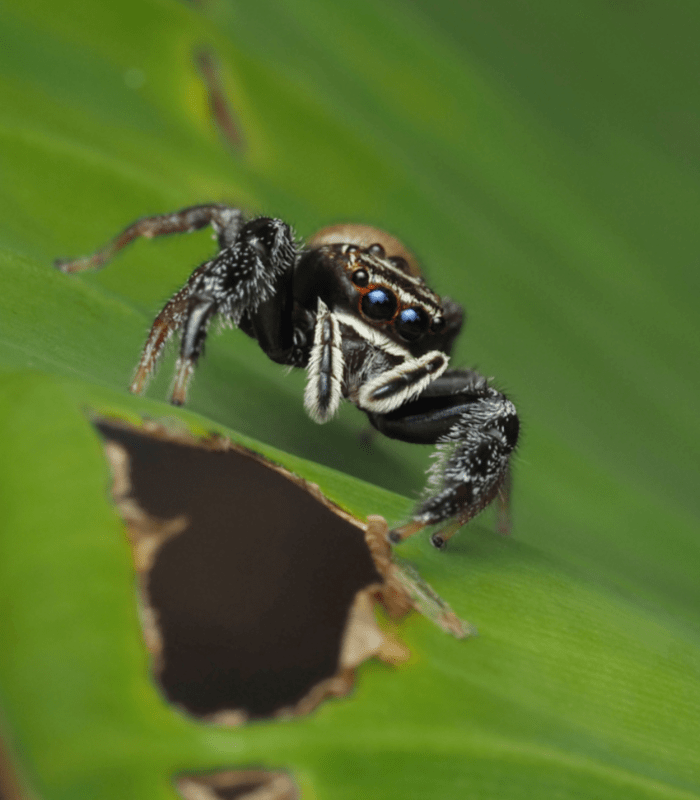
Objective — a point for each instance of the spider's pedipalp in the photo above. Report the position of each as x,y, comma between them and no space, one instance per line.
326,366
397,386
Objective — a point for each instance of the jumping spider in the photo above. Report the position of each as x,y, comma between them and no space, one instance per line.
352,309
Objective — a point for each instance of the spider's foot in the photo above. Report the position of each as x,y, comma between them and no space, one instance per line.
183,374
78,264
440,538
404,531
143,374
141,377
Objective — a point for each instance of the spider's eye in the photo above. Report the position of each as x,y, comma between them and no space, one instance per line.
400,263
437,324
379,304
412,323
377,250
360,277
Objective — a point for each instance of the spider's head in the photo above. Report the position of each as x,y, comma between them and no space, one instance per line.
368,274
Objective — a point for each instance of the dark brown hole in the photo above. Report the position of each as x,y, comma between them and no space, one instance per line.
252,597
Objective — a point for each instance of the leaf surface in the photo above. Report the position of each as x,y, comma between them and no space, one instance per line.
543,163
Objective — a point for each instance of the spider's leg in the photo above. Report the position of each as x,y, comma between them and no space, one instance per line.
170,319
248,285
194,333
503,515
227,223
476,430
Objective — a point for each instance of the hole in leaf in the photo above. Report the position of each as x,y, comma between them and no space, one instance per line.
258,592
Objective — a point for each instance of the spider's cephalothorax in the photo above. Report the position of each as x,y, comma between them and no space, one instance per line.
352,308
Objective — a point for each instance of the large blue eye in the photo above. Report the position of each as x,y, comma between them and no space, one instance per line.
412,323
379,304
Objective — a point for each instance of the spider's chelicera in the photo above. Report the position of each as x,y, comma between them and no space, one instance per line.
351,308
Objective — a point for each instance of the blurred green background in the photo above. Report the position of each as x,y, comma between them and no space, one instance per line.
542,161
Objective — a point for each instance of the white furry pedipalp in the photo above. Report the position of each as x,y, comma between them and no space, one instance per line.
325,370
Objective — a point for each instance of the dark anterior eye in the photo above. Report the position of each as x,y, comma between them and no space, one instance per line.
412,323
438,324
379,304
400,263
360,277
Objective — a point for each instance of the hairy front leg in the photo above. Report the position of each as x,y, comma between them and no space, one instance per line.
476,430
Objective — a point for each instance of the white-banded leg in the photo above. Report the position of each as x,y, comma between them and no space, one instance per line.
194,334
170,319
326,366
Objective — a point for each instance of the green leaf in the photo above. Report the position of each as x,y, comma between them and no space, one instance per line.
543,162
